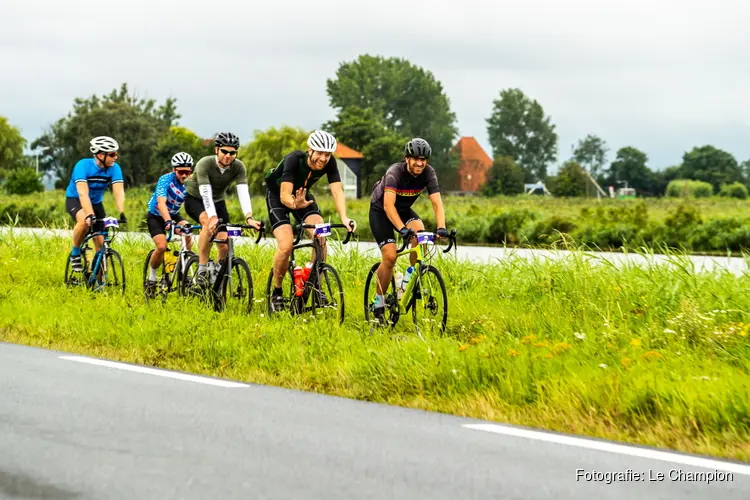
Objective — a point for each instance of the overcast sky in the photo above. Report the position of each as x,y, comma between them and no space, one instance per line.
662,76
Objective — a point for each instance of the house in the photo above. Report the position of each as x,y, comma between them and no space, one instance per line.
473,165
350,166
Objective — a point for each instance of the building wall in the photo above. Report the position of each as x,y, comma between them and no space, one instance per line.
472,175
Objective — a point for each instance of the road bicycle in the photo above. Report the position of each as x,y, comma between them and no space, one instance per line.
105,270
170,279
221,279
420,294
322,289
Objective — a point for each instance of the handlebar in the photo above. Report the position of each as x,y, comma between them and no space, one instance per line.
222,224
186,229
411,234
301,227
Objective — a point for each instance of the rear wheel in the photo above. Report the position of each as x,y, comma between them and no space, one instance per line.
289,300
327,299
391,300
160,289
238,289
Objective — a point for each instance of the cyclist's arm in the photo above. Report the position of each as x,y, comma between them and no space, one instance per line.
243,193
339,199
83,195
287,198
437,207
161,197
207,194
389,205
118,188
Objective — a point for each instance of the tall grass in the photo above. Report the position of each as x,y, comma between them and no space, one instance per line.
651,355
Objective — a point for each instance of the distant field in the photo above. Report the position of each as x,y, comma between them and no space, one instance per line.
713,225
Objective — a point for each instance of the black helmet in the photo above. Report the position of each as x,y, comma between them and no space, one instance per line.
227,139
417,148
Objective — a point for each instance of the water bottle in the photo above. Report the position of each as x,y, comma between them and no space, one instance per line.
299,283
306,271
213,271
170,260
406,279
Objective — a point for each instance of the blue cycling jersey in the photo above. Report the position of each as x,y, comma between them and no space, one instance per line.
98,179
171,188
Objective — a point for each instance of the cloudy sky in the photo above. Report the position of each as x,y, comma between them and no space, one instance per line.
662,76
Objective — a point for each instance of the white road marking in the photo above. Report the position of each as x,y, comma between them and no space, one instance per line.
154,371
613,448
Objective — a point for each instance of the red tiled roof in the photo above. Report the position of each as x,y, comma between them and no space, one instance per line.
347,152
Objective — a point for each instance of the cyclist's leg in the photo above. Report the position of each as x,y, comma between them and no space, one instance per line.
73,207
312,215
278,215
100,214
223,214
413,222
180,220
158,235
382,230
194,208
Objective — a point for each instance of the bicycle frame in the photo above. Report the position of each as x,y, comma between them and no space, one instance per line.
183,232
99,256
420,249
233,231
315,244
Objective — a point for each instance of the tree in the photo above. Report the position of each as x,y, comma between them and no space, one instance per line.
518,128
712,165
591,154
630,166
137,125
504,177
24,180
408,100
267,149
571,180
363,130
175,140
12,144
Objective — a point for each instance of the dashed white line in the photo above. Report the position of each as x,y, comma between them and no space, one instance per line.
154,371
632,451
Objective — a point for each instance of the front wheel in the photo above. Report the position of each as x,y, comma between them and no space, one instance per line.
430,301
328,297
289,301
238,286
110,273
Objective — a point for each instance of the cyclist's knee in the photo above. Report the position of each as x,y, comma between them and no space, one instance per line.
388,253
161,246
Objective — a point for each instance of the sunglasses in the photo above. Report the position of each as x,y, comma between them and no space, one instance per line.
228,152
112,155
182,171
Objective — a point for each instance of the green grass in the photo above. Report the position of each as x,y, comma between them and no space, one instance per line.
710,226
657,356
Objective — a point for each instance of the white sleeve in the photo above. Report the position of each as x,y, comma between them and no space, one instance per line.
208,199
243,193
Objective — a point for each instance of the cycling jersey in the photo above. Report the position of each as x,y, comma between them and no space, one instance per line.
294,168
207,171
169,187
97,178
407,187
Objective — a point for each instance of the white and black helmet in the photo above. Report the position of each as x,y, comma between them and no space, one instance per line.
182,159
103,144
322,141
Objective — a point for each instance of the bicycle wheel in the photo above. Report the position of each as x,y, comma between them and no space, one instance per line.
328,296
176,281
161,288
73,278
425,302
190,286
113,274
391,299
290,302
241,283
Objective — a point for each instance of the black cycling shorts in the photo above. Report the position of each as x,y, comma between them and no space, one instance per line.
73,205
278,213
194,208
381,226
156,223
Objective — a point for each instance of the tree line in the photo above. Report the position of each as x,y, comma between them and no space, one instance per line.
380,102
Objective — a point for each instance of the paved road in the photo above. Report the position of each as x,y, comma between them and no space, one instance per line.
70,429
736,265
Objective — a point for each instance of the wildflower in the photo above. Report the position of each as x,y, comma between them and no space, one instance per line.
561,346
669,330
528,339
603,365
579,336
635,342
478,340
513,352
540,344
625,362
463,347
548,355
652,355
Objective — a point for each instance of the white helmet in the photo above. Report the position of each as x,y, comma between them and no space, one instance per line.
322,141
103,144
182,159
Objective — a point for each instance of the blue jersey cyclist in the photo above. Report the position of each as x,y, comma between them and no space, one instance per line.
164,210
85,193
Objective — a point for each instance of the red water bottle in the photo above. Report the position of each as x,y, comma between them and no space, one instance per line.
299,282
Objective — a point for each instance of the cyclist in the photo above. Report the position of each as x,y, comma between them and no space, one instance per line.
390,208
206,189
287,191
164,211
85,193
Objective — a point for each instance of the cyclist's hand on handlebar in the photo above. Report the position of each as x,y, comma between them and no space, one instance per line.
168,225
299,199
252,222
442,232
351,224
212,223
122,219
90,219
404,232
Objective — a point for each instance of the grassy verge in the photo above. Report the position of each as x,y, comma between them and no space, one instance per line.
654,356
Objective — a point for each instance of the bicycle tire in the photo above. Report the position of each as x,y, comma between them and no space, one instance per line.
392,315
428,269
115,263
325,270
269,290
241,264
